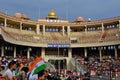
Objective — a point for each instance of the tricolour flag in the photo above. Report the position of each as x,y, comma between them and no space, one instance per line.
37,66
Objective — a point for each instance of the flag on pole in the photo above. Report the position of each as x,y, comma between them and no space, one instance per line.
37,66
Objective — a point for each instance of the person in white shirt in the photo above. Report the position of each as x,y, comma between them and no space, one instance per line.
9,74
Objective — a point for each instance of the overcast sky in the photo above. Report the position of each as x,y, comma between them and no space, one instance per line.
65,9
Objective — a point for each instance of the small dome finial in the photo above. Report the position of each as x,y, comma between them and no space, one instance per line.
52,15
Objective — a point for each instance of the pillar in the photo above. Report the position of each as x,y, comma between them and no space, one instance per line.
5,23
14,52
68,30
115,49
119,25
70,53
100,53
2,50
20,51
28,53
85,29
63,30
102,27
43,29
21,26
68,62
37,29
43,52
85,52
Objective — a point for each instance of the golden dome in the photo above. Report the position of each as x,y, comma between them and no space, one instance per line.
52,15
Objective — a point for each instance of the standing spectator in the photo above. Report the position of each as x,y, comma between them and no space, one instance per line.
22,75
41,75
9,74
47,75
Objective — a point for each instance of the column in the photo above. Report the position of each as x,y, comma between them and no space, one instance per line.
85,28
85,52
68,62
5,23
20,26
119,25
37,29
70,53
115,49
68,30
21,51
43,52
102,27
2,50
100,53
63,30
28,53
14,52
43,29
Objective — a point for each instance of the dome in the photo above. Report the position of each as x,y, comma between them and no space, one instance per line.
79,19
52,15
18,15
22,16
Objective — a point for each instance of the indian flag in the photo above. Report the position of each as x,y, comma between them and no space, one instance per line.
37,66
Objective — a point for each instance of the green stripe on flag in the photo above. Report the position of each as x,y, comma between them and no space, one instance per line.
40,68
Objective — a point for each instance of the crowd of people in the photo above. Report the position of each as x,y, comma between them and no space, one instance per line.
109,66
18,69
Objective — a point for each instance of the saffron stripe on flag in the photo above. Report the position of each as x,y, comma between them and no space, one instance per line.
33,65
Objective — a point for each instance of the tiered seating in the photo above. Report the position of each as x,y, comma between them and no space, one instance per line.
58,38
51,38
112,35
87,37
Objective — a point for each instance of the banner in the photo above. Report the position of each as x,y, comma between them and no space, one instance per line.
59,45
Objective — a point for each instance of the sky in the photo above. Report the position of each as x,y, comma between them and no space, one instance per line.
65,9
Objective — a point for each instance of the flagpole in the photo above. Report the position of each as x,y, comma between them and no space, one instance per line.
39,10
67,10
39,13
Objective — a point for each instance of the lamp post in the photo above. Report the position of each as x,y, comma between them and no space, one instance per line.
58,61
64,50
110,74
110,69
